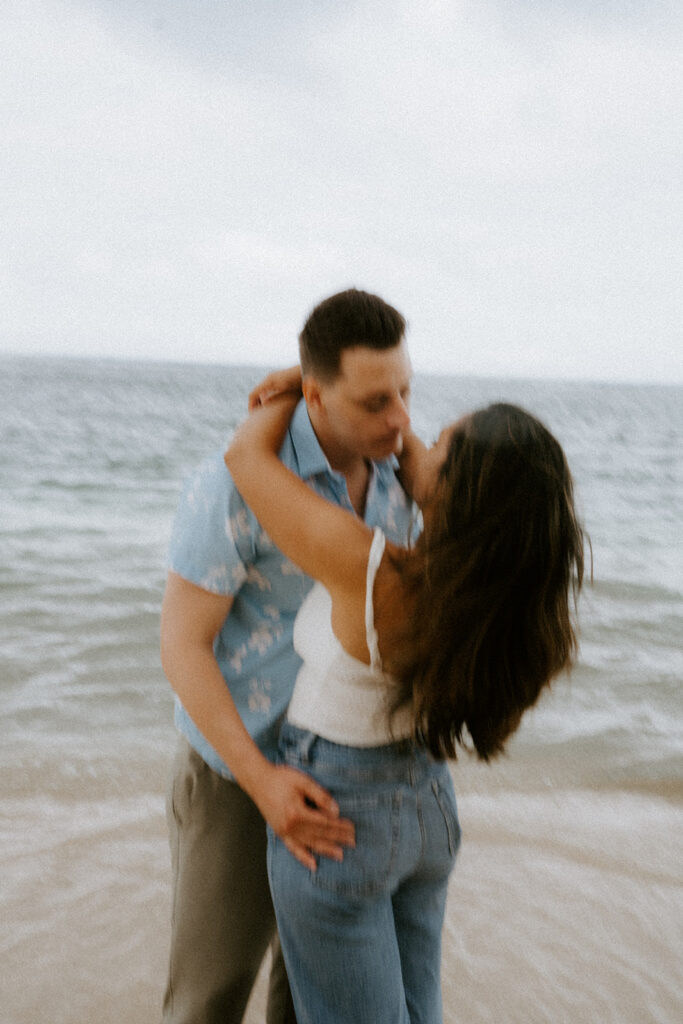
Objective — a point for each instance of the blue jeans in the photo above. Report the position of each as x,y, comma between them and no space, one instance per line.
362,938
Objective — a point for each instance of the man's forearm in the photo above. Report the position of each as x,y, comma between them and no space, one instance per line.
296,807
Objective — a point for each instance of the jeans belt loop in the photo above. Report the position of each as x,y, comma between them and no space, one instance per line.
305,746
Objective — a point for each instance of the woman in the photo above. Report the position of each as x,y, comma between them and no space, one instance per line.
405,654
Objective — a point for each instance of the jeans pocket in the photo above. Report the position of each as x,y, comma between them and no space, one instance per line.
366,868
445,798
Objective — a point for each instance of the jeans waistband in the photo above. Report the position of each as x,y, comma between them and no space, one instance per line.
403,761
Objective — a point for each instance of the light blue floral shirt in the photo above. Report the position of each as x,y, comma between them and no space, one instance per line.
218,544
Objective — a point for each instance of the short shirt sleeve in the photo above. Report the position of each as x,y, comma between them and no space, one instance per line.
213,536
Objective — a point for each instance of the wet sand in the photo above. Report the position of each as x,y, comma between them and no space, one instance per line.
564,906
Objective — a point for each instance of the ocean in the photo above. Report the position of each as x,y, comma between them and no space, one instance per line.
567,900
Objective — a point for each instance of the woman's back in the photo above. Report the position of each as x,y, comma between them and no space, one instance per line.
340,696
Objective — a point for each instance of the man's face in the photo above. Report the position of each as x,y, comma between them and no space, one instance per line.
366,407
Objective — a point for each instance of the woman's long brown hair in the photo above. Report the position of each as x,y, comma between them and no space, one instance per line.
492,584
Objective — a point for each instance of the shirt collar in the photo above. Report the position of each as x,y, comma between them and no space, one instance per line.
312,459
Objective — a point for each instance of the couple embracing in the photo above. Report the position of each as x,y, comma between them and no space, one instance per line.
329,654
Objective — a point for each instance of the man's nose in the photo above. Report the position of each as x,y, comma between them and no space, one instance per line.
399,414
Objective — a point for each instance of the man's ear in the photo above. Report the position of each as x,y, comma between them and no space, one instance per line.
311,392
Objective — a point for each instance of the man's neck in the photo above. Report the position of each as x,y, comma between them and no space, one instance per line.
354,468
357,482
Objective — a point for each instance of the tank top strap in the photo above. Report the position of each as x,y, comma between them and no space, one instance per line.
374,558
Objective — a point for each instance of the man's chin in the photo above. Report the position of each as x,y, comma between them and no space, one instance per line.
393,446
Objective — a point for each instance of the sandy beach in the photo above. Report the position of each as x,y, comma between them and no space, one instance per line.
564,906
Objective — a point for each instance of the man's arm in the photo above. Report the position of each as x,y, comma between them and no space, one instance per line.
190,620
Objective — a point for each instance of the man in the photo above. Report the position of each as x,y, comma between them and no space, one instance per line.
226,642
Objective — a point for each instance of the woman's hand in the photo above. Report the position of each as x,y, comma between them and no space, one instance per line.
279,382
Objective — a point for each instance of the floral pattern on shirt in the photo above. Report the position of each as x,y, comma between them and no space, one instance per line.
218,544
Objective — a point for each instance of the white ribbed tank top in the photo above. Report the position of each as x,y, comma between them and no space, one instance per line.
336,695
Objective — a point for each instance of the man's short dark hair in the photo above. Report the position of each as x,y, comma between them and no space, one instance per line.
346,320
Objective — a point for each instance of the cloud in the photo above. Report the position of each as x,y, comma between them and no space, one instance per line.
187,180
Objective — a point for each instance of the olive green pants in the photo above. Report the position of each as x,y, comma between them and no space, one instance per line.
222,919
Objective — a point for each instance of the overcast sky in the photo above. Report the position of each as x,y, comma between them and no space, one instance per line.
185,179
